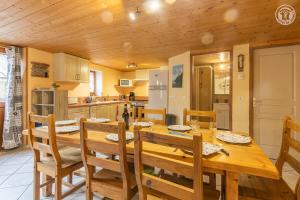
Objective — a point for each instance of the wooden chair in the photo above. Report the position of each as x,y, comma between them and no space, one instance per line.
211,117
114,180
208,116
251,187
155,187
146,112
53,161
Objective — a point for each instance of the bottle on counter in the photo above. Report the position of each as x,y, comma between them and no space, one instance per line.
125,116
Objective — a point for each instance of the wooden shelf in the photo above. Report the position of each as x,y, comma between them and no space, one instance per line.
124,90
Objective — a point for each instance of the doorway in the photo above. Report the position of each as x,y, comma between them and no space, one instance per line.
211,83
276,90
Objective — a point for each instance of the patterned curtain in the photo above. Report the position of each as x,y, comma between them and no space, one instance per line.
12,130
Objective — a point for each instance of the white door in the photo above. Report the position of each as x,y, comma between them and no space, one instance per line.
276,94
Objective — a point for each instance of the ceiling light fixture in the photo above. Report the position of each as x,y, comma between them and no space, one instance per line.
132,65
153,5
134,15
222,57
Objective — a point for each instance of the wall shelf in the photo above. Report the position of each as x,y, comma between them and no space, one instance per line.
124,90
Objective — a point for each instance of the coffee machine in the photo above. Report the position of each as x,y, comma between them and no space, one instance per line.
131,96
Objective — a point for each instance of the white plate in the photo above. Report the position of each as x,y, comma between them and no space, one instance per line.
227,136
65,122
143,124
179,128
66,129
115,138
99,120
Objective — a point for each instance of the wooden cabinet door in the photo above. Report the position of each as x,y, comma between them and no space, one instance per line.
73,72
84,70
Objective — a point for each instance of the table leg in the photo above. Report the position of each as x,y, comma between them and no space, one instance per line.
232,183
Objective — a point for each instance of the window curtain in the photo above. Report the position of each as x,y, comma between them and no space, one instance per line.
12,130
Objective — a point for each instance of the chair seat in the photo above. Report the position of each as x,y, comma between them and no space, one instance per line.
69,156
252,187
113,178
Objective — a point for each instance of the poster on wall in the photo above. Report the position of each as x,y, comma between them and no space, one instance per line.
177,76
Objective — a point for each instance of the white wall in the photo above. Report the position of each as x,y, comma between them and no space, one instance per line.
240,91
179,98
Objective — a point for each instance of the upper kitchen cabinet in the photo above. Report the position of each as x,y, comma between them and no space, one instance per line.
142,75
68,68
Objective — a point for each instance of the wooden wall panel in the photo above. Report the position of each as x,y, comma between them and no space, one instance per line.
76,27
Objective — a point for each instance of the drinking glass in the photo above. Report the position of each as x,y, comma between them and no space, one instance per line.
213,127
195,124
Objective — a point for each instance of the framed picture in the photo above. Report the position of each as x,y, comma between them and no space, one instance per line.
177,76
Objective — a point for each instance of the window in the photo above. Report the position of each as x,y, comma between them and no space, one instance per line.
92,82
96,83
3,76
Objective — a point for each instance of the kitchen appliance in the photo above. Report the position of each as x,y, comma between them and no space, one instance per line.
158,89
122,97
131,96
125,83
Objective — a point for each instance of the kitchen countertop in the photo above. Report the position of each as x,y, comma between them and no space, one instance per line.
95,103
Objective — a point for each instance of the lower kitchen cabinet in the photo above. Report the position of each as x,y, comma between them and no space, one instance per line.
79,112
109,111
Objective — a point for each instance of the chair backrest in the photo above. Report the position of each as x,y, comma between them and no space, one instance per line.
290,129
209,116
43,139
192,170
147,112
89,148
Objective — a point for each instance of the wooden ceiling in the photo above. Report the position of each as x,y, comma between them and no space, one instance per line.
76,27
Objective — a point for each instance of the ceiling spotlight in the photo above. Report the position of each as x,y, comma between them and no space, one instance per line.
170,1
153,5
134,15
132,65
222,57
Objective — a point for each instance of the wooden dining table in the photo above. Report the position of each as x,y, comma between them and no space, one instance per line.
242,159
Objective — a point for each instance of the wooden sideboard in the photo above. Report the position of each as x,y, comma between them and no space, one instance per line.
2,106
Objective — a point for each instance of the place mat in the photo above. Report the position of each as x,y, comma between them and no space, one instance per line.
142,124
65,122
179,128
227,136
115,137
207,149
66,129
99,120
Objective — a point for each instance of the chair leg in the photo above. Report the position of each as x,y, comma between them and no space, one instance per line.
88,192
36,181
223,187
70,178
58,187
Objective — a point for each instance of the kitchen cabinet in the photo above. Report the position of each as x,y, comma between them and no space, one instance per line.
112,111
68,68
222,115
108,111
142,74
49,101
79,112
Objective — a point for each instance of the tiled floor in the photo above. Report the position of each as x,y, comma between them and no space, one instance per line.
16,177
